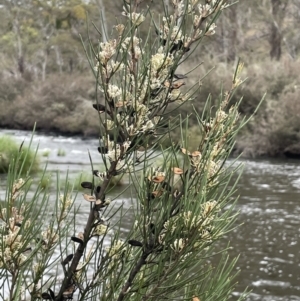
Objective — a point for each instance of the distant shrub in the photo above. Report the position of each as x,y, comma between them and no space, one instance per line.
61,153
275,131
9,150
46,153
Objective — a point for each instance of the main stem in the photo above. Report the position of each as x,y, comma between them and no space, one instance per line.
133,273
87,231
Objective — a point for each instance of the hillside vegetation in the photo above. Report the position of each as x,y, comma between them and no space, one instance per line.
45,76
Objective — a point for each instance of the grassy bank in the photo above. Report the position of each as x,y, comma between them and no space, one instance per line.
10,150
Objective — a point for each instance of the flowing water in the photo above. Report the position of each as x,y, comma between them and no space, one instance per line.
269,206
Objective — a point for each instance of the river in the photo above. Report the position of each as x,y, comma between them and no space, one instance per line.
269,215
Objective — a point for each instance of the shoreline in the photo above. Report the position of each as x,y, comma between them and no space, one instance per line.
235,152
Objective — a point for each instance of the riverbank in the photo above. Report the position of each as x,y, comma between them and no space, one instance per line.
63,105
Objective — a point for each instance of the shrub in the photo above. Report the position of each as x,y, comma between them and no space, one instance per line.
60,104
182,203
275,130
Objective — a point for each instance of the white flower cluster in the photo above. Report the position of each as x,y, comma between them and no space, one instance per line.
136,18
187,222
120,29
160,64
66,202
12,245
108,49
136,86
16,189
114,150
114,251
12,242
204,219
172,33
205,10
210,208
221,115
110,125
211,167
132,46
210,29
140,122
50,238
178,245
109,67
116,154
220,127
113,91
16,216
100,230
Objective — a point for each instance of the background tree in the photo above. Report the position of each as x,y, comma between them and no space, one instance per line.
278,13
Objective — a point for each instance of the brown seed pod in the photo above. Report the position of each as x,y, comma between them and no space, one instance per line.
185,151
177,85
167,84
98,202
158,179
157,193
89,198
177,170
195,154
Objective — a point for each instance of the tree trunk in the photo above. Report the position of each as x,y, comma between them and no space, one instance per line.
59,61
44,65
278,13
275,42
232,34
